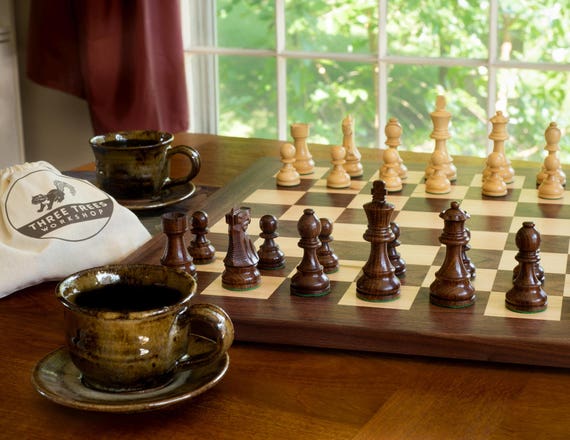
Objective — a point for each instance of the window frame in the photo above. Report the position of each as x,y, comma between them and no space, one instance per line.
199,34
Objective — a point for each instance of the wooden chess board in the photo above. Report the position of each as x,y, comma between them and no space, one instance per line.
409,325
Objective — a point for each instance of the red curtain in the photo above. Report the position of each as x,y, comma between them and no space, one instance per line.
125,57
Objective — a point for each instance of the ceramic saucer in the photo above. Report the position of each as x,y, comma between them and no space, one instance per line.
56,378
167,197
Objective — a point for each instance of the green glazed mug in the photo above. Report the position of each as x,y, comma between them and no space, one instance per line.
129,327
133,165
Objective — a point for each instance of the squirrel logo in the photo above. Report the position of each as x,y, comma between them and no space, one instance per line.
47,200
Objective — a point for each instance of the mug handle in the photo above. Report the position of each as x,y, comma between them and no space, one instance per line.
195,164
212,322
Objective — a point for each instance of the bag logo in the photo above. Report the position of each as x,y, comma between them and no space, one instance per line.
58,206
55,195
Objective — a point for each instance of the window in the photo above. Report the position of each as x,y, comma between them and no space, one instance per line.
256,66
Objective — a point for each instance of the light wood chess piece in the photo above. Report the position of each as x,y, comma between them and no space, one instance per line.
304,163
389,170
352,165
288,175
440,119
494,185
393,131
499,135
552,135
338,177
551,188
437,182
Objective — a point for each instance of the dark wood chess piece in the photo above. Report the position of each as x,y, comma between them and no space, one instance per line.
378,281
452,286
466,260
174,226
527,294
241,260
200,247
395,258
270,255
309,279
325,252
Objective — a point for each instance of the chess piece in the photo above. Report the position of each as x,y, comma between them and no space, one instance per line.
270,255
304,163
393,254
437,181
466,260
338,177
352,165
493,184
240,263
378,281
393,131
552,135
309,279
287,175
201,248
452,286
325,253
389,170
174,226
440,119
499,135
551,188
527,294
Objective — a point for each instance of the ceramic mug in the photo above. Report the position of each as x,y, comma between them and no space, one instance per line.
135,164
128,327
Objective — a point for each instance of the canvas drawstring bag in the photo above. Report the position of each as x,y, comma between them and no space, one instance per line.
52,225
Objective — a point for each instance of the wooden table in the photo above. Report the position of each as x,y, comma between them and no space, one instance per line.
279,392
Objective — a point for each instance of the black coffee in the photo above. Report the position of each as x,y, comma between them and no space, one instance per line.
127,297
130,143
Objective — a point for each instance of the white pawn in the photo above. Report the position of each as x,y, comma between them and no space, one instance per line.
389,172
437,182
552,135
338,177
494,184
551,188
288,175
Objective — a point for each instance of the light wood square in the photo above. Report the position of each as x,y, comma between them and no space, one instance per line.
418,254
531,196
404,302
273,197
419,219
496,307
348,271
501,208
295,212
488,240
550,226
268,286
348,232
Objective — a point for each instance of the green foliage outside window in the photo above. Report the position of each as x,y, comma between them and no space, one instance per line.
321,92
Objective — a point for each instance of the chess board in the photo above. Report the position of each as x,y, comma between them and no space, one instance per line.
486,331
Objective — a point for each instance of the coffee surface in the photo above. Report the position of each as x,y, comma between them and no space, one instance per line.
128,297
130,143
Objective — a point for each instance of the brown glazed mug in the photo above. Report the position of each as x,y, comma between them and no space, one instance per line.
135,164
129,327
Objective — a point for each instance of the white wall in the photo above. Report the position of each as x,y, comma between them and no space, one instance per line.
56,125
11,142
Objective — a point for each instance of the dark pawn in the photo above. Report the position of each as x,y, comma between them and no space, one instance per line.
200,248
527,294
452,286
395,258
466,260
310,279
378,281
270,256
325,253
174,226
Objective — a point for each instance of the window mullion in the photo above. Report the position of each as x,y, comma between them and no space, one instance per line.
281,70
